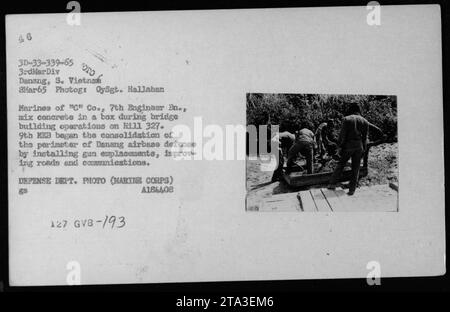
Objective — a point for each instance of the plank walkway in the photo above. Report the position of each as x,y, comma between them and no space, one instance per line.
377,198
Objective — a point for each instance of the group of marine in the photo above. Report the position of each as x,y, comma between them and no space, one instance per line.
322,144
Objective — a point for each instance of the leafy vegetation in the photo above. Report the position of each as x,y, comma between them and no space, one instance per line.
295,111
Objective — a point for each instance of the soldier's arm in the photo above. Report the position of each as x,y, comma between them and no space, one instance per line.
329,137
314,140
343,133
317,133
321,131
364,136
379,135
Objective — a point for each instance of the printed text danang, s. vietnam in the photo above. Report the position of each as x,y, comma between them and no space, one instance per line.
74,133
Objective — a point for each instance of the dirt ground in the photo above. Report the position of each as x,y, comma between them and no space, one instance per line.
383,168
383,165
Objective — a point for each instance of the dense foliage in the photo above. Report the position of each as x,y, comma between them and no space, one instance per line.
295,111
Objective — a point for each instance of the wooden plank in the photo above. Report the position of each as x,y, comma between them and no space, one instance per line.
252,204
335,198
393,186
280,203
307,202
344,202
380,198
351,203
298,179
321,203
376,198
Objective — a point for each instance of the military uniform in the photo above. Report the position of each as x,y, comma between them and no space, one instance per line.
305,145
353,143
285,140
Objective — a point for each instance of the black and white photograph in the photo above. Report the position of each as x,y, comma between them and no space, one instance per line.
228,152
327,147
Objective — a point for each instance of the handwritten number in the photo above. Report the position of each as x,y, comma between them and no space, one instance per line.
28,37
122,222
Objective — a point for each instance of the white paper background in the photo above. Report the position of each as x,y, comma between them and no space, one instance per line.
208,61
